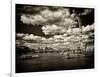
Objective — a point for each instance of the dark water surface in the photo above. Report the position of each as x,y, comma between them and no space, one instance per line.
53,62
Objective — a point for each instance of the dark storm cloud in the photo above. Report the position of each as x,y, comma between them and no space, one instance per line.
29,9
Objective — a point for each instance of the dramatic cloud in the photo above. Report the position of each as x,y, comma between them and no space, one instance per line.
52,20
59,27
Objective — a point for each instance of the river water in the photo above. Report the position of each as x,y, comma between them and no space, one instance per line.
53,62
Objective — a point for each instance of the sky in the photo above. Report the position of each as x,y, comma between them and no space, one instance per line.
53,24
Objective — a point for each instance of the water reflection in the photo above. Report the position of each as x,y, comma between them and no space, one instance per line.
51,62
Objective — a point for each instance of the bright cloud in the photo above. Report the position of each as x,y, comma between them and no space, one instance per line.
88,28
32,19
31,37
53,29
19,34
